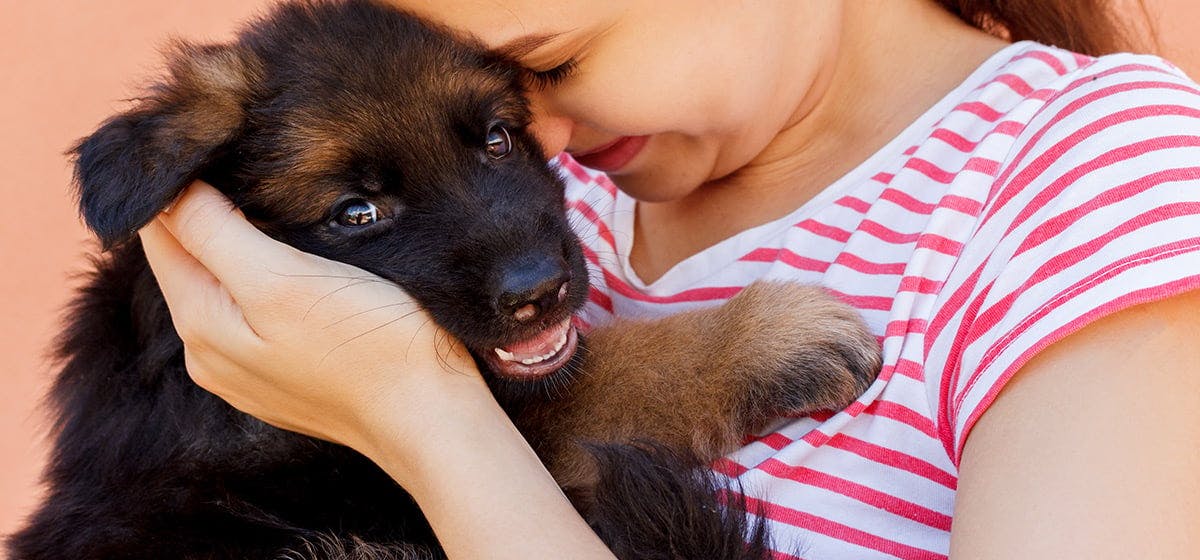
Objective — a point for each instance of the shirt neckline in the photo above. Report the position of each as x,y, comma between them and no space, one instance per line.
695,268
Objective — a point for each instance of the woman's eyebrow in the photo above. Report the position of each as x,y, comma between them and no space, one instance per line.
525,44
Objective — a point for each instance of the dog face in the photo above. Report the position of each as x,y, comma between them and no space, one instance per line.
356,132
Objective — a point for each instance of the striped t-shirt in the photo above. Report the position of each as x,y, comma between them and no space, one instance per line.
1046,191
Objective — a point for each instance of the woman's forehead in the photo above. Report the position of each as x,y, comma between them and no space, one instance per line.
513,23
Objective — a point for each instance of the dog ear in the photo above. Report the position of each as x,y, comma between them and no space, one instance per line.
137,162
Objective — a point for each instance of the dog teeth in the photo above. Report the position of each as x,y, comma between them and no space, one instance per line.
506,356
558,345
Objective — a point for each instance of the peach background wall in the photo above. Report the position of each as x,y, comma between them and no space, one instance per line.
63,66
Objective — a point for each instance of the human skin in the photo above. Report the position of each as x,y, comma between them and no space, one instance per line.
746,132
739,135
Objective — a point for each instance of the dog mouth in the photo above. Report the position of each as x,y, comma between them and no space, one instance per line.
537,356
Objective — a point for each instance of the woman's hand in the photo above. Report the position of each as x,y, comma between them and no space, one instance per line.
329,350
305,343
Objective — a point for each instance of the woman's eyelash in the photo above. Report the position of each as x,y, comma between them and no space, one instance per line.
545,79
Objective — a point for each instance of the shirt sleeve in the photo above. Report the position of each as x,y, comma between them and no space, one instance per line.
1096,209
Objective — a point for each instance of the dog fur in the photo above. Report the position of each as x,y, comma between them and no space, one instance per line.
322,102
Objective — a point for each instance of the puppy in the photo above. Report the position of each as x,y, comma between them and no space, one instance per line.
354,131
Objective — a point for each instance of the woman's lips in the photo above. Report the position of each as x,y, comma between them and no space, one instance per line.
612,156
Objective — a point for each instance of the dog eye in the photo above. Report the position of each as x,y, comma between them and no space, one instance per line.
498,143
356,213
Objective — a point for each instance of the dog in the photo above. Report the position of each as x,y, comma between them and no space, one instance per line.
358,132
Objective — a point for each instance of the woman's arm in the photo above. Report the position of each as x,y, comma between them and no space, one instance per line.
1092,450
485,492
329,350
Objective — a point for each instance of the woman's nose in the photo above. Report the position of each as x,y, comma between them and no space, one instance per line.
552,129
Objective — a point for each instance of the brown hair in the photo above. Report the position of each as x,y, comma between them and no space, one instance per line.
1085,26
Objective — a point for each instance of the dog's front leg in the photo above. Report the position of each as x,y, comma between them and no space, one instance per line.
698,382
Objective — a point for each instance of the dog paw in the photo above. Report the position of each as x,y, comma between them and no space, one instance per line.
802,348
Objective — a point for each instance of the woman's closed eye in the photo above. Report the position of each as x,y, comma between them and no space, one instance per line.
545,79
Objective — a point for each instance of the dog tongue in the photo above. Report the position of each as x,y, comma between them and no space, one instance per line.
539,345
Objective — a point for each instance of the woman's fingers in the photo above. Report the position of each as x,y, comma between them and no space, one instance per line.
303,342
202,310
216,234
271,284
212,263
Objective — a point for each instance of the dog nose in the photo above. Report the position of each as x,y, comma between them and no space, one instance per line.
533,288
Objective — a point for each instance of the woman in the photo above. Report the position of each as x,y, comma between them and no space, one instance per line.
1013,220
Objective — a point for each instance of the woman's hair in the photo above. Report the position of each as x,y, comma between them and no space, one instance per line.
1085,26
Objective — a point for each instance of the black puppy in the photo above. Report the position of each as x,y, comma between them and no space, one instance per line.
354,131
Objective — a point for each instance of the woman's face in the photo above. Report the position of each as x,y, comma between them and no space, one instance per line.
664,95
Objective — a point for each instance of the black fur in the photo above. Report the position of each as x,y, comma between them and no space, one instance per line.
657,506
145,465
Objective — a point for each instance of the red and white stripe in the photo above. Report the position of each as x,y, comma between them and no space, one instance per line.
1046,191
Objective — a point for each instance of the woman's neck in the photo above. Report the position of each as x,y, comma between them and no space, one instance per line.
895,60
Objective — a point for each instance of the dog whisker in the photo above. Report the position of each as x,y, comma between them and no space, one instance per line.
444,340
373,309
364,333
331,293
363,277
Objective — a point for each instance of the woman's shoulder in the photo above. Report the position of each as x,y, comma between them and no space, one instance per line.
1058,70
1136,95
1029,86
1114,124
1126,64
1094,208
